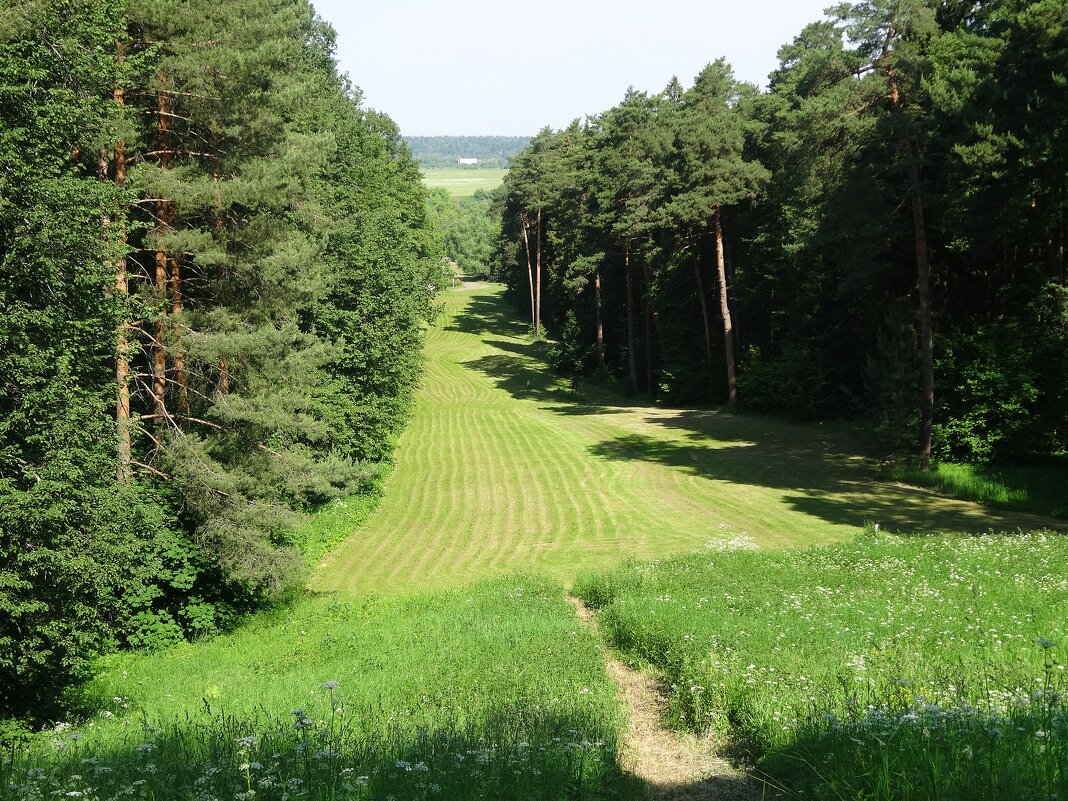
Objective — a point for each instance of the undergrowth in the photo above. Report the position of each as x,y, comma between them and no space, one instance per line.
1039,488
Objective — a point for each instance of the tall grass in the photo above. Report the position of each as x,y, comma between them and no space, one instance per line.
494,692
887,668
1040,488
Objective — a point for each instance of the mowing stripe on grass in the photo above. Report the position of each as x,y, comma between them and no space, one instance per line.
503,468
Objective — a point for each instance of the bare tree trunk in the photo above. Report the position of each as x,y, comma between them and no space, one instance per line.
180,378
923,287
162,279
652,325
600,323
631,357
704,309
124,449
537,281
728,328
525,222
218,226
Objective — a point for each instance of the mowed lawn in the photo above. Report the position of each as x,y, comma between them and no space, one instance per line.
503,469
464,181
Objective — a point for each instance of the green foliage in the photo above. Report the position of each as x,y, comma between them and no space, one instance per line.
878,111
995,404
889,667
193,207
467,230
569,354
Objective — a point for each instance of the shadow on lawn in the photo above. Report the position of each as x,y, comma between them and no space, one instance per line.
819,469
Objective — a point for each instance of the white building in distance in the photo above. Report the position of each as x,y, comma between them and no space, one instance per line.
467,161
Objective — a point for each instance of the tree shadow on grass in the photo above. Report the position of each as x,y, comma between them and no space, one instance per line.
816,479
819,470
488,314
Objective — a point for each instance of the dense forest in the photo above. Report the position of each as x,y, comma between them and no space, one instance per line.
444,151
215,271
468,229
879,236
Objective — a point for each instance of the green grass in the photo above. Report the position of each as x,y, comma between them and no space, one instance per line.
502,468
464,181
496,692
1041,488
885,668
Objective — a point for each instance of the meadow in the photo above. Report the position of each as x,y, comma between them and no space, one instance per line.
488,693
464,181
504,467
436,656
889,667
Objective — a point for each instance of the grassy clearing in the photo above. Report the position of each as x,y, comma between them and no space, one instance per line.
1038,488
503,468
886,668
492,693
464,181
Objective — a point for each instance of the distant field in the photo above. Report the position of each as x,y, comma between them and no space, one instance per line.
462,182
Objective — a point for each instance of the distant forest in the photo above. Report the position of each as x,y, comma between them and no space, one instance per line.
444,151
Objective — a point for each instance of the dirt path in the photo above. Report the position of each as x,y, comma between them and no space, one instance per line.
674,767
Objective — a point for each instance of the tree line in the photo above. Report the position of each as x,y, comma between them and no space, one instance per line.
215,270
880,235
444,151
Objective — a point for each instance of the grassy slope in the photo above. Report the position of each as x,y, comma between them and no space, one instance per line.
884,668
502,468
493,692
462,182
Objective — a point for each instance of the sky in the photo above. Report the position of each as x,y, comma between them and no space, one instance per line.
500,67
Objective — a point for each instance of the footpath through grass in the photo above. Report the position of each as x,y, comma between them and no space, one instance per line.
504,468
496,692
886,668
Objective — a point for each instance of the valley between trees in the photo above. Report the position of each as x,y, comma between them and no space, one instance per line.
318,484
423,666
504,467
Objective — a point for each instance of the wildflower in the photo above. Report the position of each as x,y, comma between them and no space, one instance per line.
248,741
1044,643
145,748
329,685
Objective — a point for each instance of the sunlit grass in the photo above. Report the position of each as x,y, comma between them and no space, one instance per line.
464,181
886,668
504,467
496,692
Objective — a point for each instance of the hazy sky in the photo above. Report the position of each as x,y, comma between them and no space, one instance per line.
510,68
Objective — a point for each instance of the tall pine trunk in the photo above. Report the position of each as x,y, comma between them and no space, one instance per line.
652,326
162,279
600,322
704,309
728,327
123,449
632,358
537,279
923,291
524,221
218,229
